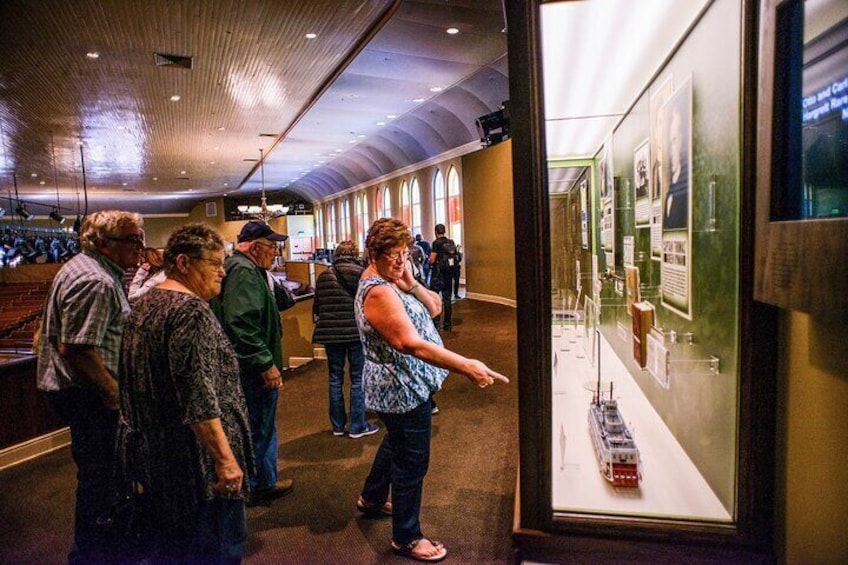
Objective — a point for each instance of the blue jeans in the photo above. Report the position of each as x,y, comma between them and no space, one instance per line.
447,305
93,436
262,412
336,355
401,464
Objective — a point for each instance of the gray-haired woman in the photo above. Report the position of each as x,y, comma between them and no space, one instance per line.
186,434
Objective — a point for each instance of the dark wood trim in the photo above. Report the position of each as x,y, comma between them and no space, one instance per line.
532,243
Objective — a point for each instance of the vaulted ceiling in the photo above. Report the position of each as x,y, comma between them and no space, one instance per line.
166,103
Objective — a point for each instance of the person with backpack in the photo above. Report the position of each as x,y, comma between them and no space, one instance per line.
444,264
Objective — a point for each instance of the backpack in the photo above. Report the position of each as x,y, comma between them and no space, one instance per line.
449,257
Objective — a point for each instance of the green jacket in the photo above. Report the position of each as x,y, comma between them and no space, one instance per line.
248,312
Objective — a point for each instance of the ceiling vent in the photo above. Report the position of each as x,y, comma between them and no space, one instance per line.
165,60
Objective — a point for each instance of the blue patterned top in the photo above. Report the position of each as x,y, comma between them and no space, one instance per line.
394,382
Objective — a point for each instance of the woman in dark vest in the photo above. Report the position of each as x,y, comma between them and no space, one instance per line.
335,329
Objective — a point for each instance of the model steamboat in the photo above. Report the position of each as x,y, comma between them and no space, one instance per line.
615,448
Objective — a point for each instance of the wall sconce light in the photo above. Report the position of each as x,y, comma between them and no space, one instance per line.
24,213
56,217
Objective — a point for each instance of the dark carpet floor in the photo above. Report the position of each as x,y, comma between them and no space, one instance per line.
468,493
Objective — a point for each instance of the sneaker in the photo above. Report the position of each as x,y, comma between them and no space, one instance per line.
434,410
369,429
338,433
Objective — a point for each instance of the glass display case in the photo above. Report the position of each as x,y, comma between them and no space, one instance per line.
646,394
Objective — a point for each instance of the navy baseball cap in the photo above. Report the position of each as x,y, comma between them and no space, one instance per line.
257,230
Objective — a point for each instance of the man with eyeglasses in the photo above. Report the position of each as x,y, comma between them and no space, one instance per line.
249,314
78,352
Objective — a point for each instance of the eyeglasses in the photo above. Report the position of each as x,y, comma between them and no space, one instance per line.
137,240
402,255
216,263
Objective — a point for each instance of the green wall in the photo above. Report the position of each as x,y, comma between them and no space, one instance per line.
699,407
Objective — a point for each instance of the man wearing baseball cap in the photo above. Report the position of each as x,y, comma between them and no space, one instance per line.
248,312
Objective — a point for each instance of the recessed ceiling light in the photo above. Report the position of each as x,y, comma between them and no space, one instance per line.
391,116
175,98
42,182
182,172
418,100
33,175
226,184
381,123
361,136
452,31
221,128
124,184
435,89
352,141
311,35
93,55
211,162
155,178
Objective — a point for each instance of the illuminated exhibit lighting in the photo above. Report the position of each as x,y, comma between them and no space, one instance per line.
56,217
24,213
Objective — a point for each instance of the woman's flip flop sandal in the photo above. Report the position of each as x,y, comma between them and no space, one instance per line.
373,510
407,550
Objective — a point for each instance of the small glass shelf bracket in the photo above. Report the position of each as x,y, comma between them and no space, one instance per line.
711,204
711,364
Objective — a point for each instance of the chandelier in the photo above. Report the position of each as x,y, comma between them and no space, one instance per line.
264,211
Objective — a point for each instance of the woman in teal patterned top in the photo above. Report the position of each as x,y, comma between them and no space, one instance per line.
405,362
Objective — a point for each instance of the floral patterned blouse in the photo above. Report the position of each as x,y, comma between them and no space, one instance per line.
394,382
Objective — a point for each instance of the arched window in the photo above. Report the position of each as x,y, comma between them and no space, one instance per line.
439,198
386,210
345,231
415,193
357,213
366,219
404,203
331,226
454,207
319,226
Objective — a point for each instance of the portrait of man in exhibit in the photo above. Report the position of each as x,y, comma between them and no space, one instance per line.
677,117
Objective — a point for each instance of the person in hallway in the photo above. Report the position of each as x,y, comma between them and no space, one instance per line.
250,316
405,362
184,434
417,260
149,274
443,263
78,352
425,247
335,329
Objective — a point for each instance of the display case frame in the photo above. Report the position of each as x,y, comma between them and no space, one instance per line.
539,533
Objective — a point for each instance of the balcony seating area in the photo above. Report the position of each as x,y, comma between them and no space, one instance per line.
21,305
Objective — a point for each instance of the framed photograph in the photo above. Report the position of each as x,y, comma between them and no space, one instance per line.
676,263
211,209
658,98
642,184
677,158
